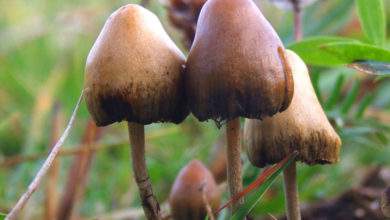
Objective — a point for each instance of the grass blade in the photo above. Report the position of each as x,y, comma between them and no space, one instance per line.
262,183
255,198
373,20
336,92
350,98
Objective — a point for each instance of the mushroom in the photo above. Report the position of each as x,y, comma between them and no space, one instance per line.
303,127
134,73
235,68
217,160
193,192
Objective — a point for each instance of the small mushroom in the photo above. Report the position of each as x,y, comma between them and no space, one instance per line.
217,160
193,192
235,68
134,73
303,127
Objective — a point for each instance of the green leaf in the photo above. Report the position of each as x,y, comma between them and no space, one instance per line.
372,18
311,52
2,216
333,51
348,52
254,198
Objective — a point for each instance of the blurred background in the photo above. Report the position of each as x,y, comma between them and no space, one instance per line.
43,48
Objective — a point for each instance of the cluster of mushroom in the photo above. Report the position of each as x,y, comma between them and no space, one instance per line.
237,67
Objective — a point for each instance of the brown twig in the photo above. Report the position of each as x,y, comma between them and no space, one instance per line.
52,175
297,8
77,175
75,150
45,167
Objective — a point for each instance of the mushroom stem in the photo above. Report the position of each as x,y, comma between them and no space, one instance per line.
234,167
137,141
291,192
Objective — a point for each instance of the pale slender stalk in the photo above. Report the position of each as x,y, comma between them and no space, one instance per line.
51,195
291,192
137,141
78,174
45,167
234,166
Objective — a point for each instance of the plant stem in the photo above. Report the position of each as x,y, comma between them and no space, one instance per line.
51,196
291,192
13,214
298,33
78,173
137,141
234,167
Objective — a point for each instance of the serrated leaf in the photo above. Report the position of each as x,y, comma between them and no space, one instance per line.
372,18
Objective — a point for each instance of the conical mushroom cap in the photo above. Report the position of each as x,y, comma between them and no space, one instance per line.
235,65
134,71
186,199
303,127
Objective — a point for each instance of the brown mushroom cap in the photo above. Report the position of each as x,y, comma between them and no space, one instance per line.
186,199
134,71
234,67
303,127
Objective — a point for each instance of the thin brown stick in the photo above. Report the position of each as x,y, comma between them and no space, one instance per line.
234,166
137,141
291,192
78,173
51,196
75,150
298,32
45,167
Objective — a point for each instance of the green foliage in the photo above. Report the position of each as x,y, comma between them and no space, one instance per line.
333,51
2,216
372,17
